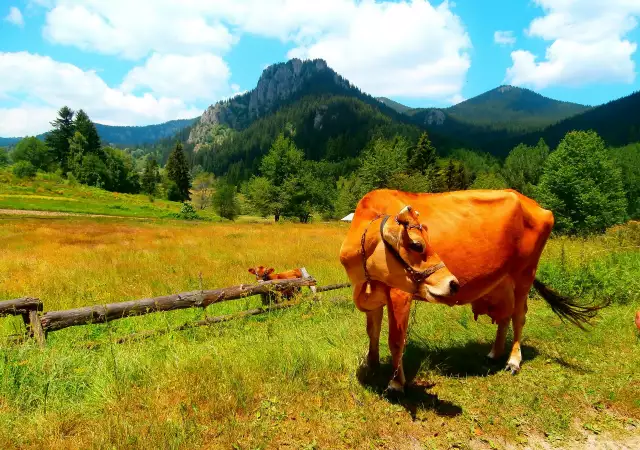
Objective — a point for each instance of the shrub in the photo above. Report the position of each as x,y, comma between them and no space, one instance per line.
24,169
188,212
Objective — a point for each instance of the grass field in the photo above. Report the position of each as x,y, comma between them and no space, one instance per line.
48,192
290,379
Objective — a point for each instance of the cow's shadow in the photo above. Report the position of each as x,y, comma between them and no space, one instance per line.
467,360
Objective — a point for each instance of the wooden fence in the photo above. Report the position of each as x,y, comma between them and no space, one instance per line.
38,325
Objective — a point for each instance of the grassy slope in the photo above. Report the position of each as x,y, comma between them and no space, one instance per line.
47,192
290,379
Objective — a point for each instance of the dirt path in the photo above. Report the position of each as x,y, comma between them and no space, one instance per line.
32,212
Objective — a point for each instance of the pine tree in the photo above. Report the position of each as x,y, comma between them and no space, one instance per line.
150,177
423,156
178,172
58,139
450,176
88,129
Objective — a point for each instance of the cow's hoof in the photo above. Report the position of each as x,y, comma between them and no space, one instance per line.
513,366
490,358
394,389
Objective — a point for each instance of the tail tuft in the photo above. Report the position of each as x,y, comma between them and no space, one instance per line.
567,308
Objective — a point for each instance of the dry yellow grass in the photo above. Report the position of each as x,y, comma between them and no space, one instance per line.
287,380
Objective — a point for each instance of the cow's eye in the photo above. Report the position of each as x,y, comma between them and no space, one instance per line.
416,247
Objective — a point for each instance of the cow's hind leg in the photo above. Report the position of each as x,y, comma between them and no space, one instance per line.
519,318
398,307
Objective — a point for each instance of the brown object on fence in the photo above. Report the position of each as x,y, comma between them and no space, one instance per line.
56,320
20,306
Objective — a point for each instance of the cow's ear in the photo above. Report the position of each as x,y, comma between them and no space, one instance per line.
252,270
404,216
269,270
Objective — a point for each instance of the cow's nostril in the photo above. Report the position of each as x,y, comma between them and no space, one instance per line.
454,286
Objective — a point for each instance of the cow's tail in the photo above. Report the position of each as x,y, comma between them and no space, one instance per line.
566,307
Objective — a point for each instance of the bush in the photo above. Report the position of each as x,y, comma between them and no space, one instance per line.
188,212
24,169
173,192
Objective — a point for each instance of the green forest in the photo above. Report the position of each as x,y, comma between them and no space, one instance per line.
317,157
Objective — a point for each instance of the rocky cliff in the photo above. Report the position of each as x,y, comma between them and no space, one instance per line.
277,84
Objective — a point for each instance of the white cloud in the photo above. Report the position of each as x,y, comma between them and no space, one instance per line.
589,44
397,49
456,99
15,17
42,85
203,76
133,29
504,38
388,48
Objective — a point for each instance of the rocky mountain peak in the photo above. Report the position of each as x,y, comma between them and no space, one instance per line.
277,83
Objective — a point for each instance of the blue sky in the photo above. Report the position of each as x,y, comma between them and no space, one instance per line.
137,62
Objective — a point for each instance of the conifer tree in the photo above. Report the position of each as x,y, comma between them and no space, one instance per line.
87,128
150,177
423,155
58,139
178,171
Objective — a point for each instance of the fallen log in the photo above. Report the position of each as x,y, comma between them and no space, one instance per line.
20,306
56,320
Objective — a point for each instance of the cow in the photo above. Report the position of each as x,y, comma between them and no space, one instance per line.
478,247
263,273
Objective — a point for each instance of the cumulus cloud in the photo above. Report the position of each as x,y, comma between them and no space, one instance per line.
387,48
504,38
397,49
41,85
588,44
203,76
15,17
133,29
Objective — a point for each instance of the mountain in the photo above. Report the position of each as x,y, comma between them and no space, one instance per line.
399,107
617,122
278,85
327,117
513,107
127,135
136,135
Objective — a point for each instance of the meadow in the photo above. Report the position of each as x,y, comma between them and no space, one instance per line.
291,379
50,192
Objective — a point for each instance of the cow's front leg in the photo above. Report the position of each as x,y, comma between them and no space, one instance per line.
374,324
398,308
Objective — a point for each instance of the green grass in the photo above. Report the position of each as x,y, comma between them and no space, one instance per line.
292,378
48,192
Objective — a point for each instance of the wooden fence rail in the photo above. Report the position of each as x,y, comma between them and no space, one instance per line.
39,325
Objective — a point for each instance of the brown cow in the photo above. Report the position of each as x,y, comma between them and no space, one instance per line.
480,247
263,273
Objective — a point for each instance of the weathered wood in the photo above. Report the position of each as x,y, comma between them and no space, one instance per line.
35,328
56,320
20,306
332,287
305,274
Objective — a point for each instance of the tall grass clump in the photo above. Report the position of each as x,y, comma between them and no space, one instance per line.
602,268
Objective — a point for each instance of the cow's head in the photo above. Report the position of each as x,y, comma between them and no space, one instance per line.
404,259
262,273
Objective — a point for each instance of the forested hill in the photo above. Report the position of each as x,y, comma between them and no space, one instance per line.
128,135
513,107
119,135
617,122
